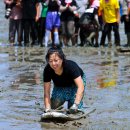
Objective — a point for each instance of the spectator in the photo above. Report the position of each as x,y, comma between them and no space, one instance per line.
29,24
15,21
111,18
95,4
68,8
41,20
126,19
52,21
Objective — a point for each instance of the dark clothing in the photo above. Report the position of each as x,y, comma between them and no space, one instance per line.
29,27
127,25
107,29
70,72
41,29
29,24
67,15
15,26
29,9
53,6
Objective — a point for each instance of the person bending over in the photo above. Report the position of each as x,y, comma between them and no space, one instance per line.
68,79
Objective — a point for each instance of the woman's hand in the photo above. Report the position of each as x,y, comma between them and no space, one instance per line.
73,109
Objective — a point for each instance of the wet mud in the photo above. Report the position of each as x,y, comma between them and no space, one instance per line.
21,86
21,90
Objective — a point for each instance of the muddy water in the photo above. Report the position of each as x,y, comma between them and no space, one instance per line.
21,91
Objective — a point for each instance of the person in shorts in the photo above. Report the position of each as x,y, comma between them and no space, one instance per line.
68,8
52,21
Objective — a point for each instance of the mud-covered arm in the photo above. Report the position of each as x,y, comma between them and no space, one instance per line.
47,101
79,95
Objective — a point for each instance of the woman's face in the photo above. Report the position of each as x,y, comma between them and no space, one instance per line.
55,62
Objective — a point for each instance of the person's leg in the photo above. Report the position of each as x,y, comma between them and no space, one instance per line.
34,32
109,38
12,31
70,29
63,28
56,26
128,39
26,30
47,35
76,32
116,33
127,31
56,36
19,31
57,98
104,33
41,30
48,27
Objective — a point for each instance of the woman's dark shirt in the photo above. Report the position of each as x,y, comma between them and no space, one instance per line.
70,72
29,9
68,15
53,6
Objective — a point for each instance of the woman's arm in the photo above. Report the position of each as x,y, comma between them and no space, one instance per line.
63,8
79,83
58,2
118,15
72,8
37,12
47,101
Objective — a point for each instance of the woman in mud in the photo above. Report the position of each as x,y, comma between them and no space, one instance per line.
68,78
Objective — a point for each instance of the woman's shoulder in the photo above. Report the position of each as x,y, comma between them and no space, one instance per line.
47,67
70,63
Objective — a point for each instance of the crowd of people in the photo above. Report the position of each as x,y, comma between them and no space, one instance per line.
39,22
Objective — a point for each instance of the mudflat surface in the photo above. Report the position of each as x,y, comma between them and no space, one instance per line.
21,88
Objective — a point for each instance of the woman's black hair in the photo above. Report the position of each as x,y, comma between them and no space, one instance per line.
55,49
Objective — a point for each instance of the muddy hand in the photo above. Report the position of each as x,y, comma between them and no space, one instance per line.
73,109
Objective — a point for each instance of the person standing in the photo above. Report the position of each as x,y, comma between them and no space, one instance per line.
52,21
29,24
41,8
68,9
68,78
126,19
15,21
111,18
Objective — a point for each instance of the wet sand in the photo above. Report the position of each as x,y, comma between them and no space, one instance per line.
21,89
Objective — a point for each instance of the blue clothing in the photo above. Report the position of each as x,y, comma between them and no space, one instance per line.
62,94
